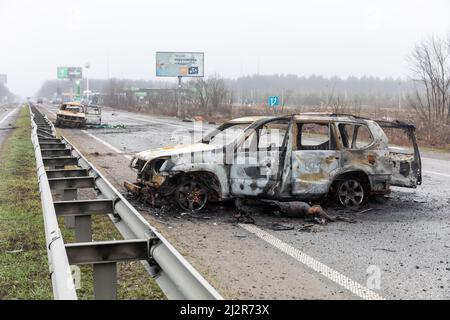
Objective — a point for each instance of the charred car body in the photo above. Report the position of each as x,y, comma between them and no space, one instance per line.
298,157
77,115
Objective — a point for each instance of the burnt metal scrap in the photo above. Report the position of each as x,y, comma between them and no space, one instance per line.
305,157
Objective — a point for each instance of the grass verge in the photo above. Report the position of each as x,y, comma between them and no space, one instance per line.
23,256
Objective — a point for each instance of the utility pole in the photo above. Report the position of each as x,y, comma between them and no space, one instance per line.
87,66
179,97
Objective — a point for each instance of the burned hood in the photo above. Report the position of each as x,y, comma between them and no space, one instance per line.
173,150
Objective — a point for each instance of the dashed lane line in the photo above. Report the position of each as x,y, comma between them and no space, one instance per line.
333,275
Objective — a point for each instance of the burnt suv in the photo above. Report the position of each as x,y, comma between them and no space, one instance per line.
298,157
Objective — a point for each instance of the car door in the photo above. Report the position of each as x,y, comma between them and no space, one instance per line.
93,115
315,159
404,155
260,158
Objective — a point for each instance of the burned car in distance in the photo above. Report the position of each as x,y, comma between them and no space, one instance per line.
77,115
308,156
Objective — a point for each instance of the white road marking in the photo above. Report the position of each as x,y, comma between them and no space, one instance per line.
8,115
437,173
333,275
189,126
116,150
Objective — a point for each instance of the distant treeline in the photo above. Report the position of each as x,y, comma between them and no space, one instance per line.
292,89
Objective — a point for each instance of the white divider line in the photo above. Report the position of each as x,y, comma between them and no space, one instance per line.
333,275
437,173
116,150
8,115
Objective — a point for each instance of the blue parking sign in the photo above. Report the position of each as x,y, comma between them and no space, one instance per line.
274,101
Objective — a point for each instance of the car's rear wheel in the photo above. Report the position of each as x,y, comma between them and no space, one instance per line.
350,192
191,195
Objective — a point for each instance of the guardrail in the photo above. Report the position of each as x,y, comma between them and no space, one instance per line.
175,276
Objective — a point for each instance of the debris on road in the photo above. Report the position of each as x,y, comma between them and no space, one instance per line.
276,226
98,154
364,211
384,249
309,228
242,217
108,126
345,219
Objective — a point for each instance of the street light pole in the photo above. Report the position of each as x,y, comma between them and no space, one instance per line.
179,97
87,66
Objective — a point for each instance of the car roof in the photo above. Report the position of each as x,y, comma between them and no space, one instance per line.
318,116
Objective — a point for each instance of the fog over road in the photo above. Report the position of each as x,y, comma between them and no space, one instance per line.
405,238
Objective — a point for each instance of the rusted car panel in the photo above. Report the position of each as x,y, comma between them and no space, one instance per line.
71,114
76,115
312,171
288,157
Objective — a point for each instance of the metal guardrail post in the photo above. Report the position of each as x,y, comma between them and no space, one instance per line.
105,281
83,229
70,194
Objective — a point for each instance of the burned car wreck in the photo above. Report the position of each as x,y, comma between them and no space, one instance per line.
77,115
309,156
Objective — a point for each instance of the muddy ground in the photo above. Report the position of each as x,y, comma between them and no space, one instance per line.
406,235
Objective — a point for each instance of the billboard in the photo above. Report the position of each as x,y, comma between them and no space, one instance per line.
3,78
69,73
179,64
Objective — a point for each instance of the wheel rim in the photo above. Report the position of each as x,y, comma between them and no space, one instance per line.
351,193
191,195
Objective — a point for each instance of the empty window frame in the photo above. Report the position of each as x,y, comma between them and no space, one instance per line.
315,136
355,136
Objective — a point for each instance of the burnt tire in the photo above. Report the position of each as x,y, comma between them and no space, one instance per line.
350,192
191,195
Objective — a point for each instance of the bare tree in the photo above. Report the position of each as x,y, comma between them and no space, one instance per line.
335,102
201,93
285,98
218,92
430,64
112,90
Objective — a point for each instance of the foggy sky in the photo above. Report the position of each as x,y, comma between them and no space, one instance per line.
239,37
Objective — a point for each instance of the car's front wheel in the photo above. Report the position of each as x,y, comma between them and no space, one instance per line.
191,195
350,192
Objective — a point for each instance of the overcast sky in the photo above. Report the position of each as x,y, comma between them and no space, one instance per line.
326,37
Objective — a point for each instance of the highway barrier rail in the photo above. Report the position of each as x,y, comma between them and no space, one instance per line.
62,168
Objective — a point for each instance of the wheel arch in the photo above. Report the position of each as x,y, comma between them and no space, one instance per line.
358,174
